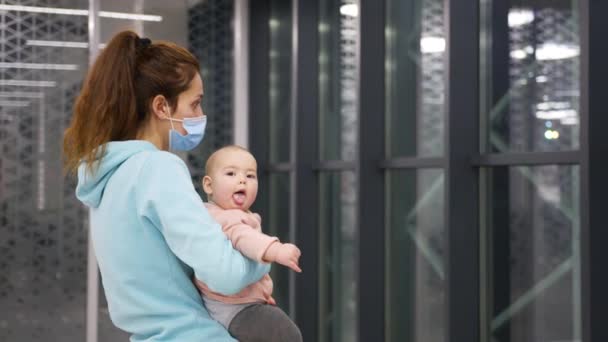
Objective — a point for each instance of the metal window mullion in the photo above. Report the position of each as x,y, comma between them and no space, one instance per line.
92,304
241,73
593,169
370,177
304,181
526,158
461,179
412,163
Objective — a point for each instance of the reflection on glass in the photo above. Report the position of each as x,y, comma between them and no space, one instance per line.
533,234
338,250
338,79
530,76
415,78
276,223
415,271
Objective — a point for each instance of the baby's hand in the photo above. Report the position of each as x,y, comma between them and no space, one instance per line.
288,255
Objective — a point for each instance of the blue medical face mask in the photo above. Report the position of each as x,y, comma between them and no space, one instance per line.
195,131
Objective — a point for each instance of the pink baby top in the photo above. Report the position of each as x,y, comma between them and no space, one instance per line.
252,243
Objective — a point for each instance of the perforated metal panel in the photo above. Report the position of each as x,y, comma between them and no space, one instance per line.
42,226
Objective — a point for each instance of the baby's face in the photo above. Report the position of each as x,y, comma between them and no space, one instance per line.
234,181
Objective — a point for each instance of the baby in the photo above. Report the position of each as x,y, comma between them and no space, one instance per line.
231,186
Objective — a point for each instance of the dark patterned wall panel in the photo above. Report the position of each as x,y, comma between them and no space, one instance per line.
210,38
42,226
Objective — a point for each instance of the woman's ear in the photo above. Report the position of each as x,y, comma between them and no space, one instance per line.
160,107
207,185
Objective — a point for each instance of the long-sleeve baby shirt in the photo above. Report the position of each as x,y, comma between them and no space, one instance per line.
252,243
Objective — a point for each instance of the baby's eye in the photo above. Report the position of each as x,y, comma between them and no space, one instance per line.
230,173
251,176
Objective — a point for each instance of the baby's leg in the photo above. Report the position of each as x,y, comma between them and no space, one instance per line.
264,323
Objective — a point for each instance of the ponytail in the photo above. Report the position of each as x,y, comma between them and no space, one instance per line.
117,92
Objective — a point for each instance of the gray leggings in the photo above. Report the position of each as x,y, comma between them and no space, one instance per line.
264,323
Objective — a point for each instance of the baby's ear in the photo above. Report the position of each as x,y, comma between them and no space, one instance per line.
207,185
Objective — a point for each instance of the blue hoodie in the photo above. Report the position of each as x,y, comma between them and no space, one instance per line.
151,232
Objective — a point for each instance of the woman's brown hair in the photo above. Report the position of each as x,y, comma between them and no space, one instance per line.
116,95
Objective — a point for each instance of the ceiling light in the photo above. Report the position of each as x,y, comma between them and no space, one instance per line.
556,114
81,12
520,17
55,43
553,105
349,10
8,103
24,94
26,83
432,45
59,43
38,66
519,54
553,51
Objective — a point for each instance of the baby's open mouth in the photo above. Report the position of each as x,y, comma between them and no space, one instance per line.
239,197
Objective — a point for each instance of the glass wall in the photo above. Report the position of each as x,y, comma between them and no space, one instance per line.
530,96
530,80
338,262
415,254
338,79
415,114
415,78
518,174
533,236
338,125
275,205
280,56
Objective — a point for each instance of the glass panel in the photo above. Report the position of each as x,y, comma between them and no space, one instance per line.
415,270
415,78
532,225
276,223
280,80
338,255
43,235
338,79
530,75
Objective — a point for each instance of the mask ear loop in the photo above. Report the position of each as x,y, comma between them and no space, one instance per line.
170,119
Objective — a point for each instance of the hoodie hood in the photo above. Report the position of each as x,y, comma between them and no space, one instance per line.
90,187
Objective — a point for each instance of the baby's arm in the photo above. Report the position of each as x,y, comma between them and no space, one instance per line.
285,254
249,239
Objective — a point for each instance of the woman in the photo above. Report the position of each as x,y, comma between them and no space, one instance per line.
150,231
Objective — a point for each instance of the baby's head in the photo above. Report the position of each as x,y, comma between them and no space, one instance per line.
231,180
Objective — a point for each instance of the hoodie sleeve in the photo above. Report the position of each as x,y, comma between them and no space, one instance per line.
166,197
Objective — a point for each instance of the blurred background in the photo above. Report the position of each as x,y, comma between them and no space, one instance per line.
430,157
